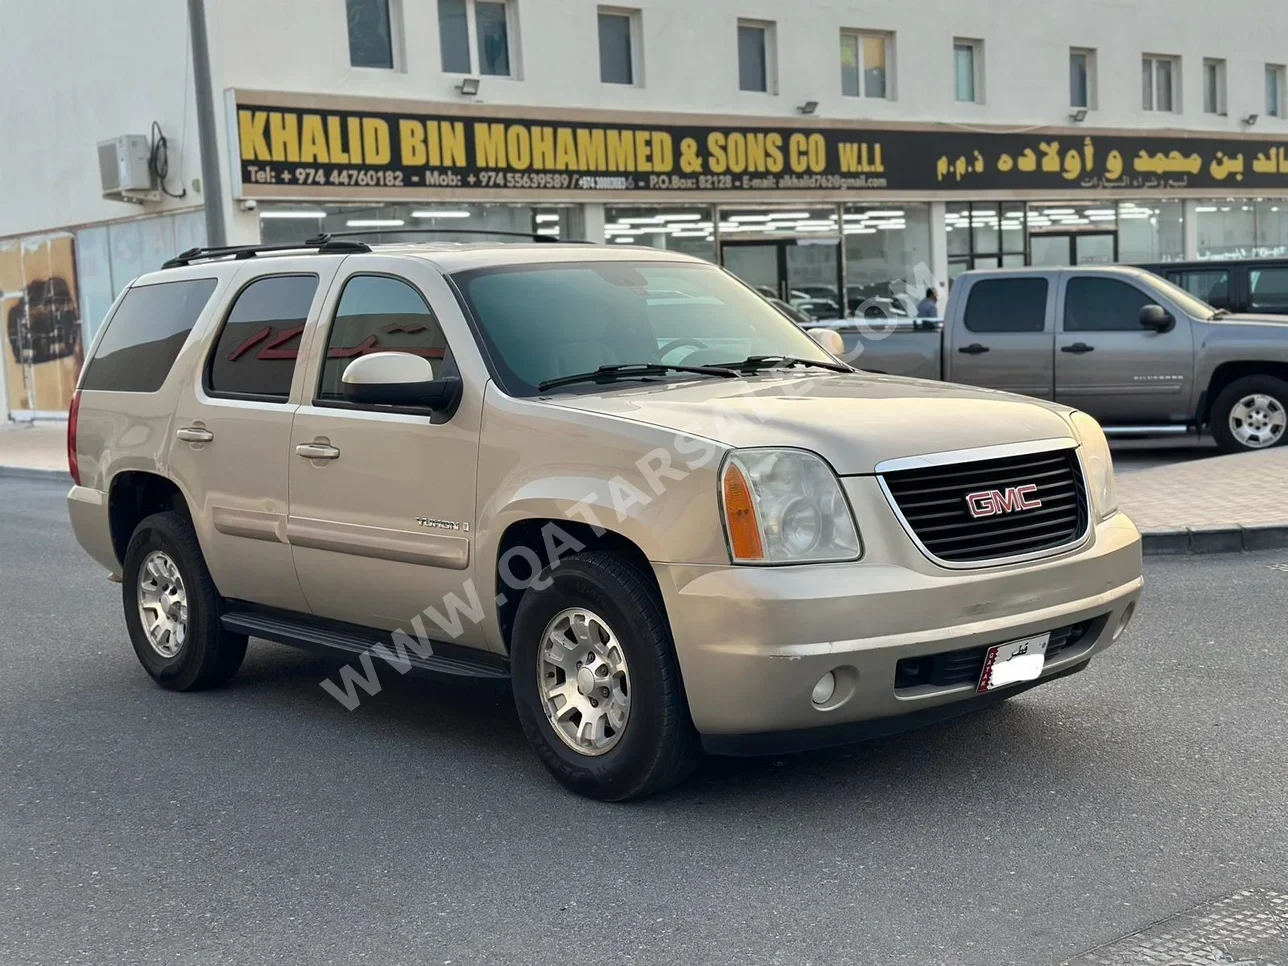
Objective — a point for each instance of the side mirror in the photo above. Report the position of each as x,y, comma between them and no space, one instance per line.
1157,318
829,339
398,379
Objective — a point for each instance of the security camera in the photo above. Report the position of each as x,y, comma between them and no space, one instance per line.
250,204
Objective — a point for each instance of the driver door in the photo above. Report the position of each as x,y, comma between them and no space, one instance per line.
1110,366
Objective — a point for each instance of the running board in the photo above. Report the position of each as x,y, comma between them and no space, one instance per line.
1170,429
335,639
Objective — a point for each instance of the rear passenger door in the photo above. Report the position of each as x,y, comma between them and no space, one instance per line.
382,523
231,434
1002,337
1110,366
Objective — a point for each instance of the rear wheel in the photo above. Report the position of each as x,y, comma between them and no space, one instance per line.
172,609
596,681
1251,414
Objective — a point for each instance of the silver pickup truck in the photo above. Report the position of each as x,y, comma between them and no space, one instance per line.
1140,354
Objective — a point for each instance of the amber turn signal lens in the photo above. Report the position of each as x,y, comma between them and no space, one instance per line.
740,515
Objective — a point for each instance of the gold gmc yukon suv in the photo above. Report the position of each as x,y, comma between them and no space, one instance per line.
615,476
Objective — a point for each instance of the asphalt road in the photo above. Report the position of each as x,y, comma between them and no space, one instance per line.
265,824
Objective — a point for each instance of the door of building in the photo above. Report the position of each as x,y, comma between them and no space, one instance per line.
1058,249
804,272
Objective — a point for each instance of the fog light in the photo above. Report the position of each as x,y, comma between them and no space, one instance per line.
1124,620
825,688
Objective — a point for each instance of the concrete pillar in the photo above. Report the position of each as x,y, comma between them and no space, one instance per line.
939,244
592,223
1191,229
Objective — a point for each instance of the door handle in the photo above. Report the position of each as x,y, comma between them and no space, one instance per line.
317,451
1078,347
973,349
194,434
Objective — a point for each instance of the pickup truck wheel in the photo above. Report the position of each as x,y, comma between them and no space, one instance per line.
172,609
596,680
1251,414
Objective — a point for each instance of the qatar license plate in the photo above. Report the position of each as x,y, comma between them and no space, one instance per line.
1013,662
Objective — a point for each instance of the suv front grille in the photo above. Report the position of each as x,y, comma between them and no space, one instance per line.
951,668
933,502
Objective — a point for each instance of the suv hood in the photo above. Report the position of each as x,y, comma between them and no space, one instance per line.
852,421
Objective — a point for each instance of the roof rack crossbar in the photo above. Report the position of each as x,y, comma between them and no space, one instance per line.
531,236
322,245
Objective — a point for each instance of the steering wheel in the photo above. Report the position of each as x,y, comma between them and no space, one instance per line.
680,344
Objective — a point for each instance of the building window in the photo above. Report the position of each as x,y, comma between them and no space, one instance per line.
1275,90
619,34
755,56
968,70
371,35
476,36
865,64
985,234
1082,77
1213,86
1159,76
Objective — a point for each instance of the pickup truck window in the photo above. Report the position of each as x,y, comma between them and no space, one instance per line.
1094,304
543,322
1210,285
1269,289
1007,305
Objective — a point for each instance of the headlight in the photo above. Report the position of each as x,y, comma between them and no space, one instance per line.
785,506
1099,464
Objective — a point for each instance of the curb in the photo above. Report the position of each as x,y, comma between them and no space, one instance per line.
1223,539
34,473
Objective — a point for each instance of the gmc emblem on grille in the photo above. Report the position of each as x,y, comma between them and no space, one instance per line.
991,503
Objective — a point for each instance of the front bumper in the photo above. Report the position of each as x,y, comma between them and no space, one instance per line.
753,641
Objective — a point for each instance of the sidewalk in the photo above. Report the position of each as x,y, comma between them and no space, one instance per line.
1222,503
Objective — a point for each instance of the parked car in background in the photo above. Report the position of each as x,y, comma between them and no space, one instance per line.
1140,354
1238,285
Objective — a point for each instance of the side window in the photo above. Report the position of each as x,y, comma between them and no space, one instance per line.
1103,305
1007,305
378,313
1269,287
255,354
145,334
1210,285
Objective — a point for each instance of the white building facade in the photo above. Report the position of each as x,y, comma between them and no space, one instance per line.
841,155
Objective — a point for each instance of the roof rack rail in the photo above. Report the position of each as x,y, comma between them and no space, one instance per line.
531,236
323,245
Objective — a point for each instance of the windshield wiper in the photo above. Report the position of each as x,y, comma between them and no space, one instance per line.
631,370
759,363
1219,314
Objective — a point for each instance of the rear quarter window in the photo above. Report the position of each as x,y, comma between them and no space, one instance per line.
145,334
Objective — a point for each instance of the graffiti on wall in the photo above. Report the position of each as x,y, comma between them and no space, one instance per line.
39,309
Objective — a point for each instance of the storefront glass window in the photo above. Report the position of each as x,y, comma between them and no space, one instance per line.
1272,228
687,230
1226,228
887,256
418,222
1151,231
985,235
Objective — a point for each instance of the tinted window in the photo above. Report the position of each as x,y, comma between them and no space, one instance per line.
255,354
615,49
1007,305
1269,288
752,72
145,334
454,36
1103,305
370,41
1210,285
379,314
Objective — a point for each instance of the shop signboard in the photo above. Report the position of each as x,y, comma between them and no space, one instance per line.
310,147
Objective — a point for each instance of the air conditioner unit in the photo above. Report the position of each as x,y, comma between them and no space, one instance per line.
124,171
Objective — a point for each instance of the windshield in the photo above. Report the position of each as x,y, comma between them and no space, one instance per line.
543,322
1189,304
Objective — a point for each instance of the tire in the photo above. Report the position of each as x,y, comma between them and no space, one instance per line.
657,747
1272,390
204,655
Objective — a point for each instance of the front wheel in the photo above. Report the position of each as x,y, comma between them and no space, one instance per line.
1250,414
596,680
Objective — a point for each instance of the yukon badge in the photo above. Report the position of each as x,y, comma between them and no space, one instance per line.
443,524
990,503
